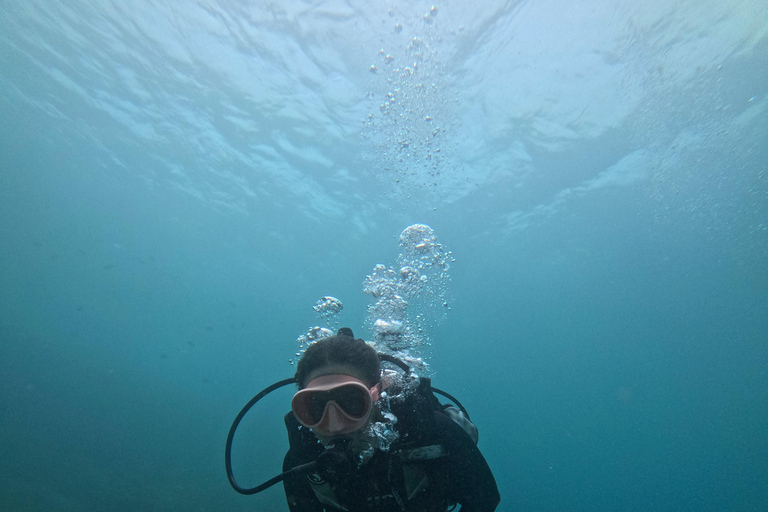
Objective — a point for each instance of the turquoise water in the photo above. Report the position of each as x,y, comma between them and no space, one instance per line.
180,182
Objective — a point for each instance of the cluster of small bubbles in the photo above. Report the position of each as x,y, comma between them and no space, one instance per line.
430,16
377,435
393,333
384,432
312,335
425,265
327,309
365,451
328,306
409,296
407,92
395,286
409,356
381,432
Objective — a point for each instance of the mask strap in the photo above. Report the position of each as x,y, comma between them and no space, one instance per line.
378,389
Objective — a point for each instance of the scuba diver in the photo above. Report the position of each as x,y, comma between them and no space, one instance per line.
366,439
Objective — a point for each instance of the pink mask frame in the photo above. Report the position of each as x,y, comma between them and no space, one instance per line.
335,420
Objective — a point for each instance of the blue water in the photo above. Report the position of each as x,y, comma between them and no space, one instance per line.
180,182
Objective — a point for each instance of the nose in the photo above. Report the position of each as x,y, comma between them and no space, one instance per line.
336,419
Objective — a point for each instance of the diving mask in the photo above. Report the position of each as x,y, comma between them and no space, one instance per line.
334,404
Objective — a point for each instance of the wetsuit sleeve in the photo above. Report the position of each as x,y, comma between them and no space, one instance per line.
298,492
472,483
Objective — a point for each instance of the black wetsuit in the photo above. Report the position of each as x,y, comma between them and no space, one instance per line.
427,471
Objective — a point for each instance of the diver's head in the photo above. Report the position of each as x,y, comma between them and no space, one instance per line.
340,352
338,379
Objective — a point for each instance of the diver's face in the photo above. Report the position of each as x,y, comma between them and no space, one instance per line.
341,405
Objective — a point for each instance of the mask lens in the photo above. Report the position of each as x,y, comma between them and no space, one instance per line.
350,398
335,403
317,402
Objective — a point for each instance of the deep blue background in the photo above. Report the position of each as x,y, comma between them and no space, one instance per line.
610,338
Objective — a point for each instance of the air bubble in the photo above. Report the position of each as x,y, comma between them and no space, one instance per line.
328,306
417,288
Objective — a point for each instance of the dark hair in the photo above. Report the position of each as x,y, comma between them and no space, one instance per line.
341,349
